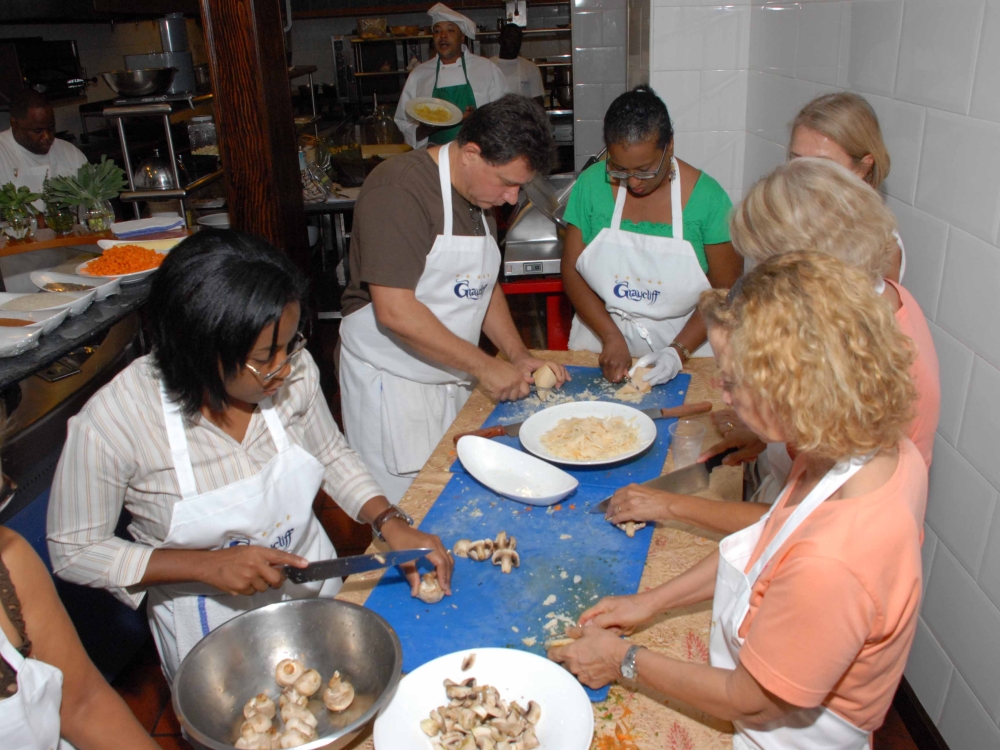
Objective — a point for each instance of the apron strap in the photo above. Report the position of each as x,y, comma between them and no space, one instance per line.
178,445
675,203
10,654
833,481
274,426
444,173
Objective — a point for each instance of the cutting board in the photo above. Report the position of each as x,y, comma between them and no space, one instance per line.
569,560
589,385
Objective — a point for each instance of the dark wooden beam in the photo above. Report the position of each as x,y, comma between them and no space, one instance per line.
254,120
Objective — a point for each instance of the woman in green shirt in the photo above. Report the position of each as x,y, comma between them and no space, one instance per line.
635,261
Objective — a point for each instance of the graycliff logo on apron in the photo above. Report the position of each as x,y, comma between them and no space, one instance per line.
284,541
623,290
465,290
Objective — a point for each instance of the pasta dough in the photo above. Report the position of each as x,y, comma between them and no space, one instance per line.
544,377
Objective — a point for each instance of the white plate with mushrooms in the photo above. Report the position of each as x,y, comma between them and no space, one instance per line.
565,715
610,433
514,474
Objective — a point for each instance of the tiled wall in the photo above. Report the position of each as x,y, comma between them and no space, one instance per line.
599,32
699,59
931,69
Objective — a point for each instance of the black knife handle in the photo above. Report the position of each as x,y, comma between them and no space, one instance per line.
295,575
716,461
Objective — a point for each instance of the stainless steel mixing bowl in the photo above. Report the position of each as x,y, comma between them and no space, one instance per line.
144,82
237,660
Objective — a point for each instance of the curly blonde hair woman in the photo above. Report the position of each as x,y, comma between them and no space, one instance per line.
814,607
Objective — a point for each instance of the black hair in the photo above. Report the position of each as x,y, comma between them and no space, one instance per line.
26,100
511,34
213,295
511,127
635,116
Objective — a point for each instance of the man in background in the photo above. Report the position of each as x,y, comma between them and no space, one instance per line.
523,76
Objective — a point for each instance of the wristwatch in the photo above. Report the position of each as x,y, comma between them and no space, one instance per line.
391,512
628,663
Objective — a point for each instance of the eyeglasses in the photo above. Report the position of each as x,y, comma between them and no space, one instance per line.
296,345
619,175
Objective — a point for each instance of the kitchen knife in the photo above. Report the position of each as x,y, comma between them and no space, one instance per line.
512,430
686,481
345,566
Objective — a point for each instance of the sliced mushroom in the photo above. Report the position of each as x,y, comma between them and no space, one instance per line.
430,727
468,661
309,682
430,590
338,694
534,713
461,548
260,704
507,559
630,527
529,740
481,550
288,671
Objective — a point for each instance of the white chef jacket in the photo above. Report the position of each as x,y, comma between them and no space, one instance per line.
488,84
523,76
20,166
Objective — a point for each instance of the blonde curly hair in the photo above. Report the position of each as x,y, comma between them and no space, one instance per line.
814,343
813,204
849,121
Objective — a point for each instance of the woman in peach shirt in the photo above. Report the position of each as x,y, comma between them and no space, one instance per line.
805,204
815,605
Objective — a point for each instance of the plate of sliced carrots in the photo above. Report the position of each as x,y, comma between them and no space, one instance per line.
127,260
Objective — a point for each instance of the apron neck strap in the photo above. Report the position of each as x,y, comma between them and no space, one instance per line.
10,654
181,453
675,203
830,483
444,174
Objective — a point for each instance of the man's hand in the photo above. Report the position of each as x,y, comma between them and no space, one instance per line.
503,381
527,364
615,359
400,535
248,569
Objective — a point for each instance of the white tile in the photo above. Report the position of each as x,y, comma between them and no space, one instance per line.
699,37
587,28
925,238
772,38
727,38
967,308
967,625
989,571
959,176
817,49
723,100
928,670
927,553
722,157
937,52
875,27
980,433
588,101
599,64
844,54
614,25
902,126
735,196
965,724
959,505
986,85
690,147
681,91
675,3
761,157
955,361
773,101
588,136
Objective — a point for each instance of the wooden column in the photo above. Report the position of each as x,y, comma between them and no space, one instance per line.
254,120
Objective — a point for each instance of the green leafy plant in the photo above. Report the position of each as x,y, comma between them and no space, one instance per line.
12,198
92,184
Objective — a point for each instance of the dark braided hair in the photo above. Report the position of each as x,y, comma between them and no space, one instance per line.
636,116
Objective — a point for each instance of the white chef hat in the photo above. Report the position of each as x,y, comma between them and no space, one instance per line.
441,12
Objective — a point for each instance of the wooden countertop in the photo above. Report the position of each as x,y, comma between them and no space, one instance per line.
627,720
45,239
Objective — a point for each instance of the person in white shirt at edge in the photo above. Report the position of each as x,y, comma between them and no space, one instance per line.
218,443
424,289
29,149
455,74
523,76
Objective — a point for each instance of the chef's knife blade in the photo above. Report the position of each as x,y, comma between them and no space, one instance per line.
345,566
513,430
686,481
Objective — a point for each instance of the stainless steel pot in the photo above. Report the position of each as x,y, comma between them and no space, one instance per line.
145,82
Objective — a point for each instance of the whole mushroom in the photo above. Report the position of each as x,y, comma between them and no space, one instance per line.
461,548
309,682
338,694
507,559
288,671
430,590
259,704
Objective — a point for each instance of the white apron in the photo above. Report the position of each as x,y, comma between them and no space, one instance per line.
397,404
29,719
809,729
272,508
650,285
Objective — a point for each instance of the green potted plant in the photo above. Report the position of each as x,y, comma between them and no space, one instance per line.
16,210
59,216
91,189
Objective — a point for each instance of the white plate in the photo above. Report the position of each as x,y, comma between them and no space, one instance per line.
46,320
455,112
14,341
215,221
514,474
80,302
105,288
567,721
541,422
160,246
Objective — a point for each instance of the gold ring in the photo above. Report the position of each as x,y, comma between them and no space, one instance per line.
729,427
618,509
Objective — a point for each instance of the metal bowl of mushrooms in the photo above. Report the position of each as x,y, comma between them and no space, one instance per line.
308,673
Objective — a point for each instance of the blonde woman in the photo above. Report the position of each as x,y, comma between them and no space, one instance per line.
814,607
843,128
805,204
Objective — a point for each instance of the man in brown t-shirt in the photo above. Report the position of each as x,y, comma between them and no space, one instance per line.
421,293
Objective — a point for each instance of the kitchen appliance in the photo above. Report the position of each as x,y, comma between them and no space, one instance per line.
140,82
343,68
533,244
49,67
340,567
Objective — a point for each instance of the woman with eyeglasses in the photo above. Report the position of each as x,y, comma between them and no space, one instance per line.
217,443
648,233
